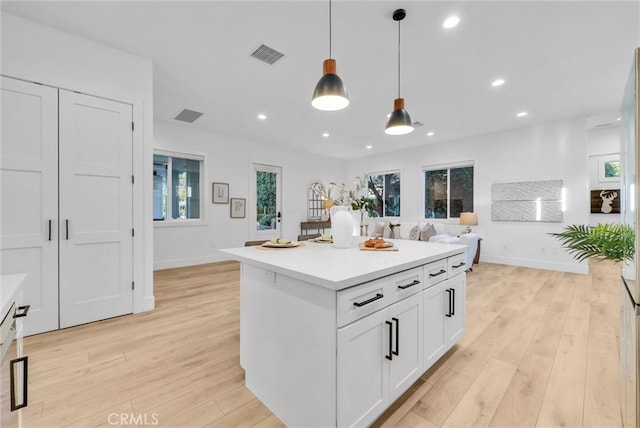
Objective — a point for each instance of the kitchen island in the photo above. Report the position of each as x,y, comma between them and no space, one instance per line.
332,337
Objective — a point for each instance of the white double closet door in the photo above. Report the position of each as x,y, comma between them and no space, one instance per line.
66,203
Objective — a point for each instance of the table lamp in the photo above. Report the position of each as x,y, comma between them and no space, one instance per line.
469,219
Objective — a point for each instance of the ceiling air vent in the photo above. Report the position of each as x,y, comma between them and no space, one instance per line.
266,54
188,115
417,124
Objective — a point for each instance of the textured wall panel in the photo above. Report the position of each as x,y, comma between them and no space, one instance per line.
527,201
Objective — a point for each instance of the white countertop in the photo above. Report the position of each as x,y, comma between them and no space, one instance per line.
9,286
337,269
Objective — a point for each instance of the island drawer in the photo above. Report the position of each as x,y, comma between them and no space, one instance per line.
436,272
457,264
361,300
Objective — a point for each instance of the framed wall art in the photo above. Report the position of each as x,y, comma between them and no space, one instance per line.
220,193
238,207
605,201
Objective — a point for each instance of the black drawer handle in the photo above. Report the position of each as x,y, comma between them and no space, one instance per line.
448,290
459,265
438,273
24,309
378,296
49,230
404,287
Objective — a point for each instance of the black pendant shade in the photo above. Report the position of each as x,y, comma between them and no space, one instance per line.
330,93
399,122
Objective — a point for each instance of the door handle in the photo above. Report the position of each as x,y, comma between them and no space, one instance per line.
453,304
448,290
390,356
279,216
50,229
12,382
397,351
66,224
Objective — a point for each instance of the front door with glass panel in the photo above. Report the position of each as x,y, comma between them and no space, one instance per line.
266,213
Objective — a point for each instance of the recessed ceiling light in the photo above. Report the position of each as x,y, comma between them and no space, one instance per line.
451,22
430,134
522,114
325,134
369,147
619,118
262,116
497,82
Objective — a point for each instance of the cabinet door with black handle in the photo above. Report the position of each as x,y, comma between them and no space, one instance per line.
406,366
455,325
363,370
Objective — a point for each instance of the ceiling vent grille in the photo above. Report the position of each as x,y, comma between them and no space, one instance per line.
417,124
266,54
188,115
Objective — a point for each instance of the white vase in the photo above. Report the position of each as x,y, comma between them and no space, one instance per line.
341,226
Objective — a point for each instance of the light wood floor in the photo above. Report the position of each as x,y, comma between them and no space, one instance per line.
540,350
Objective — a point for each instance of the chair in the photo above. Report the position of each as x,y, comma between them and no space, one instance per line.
470,240
253,243
309,236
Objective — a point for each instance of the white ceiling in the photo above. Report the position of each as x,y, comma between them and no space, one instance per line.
560,59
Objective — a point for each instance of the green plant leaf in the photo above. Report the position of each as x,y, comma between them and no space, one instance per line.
609,241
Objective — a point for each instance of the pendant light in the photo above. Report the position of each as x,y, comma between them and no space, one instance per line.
399,122
330,93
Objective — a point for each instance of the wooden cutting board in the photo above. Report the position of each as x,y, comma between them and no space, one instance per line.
365,248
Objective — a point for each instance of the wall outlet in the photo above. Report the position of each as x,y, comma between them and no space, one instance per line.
270,276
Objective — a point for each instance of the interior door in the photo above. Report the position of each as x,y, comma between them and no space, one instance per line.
96,217
266,211
29,196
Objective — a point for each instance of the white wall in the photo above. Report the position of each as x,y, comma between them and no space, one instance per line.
603,144
227,160
551,151
40,54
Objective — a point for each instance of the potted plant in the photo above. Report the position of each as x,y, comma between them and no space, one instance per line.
607,241
362,204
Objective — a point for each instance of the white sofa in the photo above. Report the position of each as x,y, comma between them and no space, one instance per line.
407,230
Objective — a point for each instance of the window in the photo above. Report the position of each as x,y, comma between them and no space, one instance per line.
385,189
448,191
177,186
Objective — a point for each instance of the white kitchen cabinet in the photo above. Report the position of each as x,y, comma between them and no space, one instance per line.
444,317
363,370
336,347
379,358
67,203
455,318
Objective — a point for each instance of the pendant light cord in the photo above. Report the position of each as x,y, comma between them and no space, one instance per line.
398,59
329,28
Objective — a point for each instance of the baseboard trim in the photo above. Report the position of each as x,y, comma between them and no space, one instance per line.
170,264
582,268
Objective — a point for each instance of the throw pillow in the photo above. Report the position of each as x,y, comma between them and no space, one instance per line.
427,232
414,234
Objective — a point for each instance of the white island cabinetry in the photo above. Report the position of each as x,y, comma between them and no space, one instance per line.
332,337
